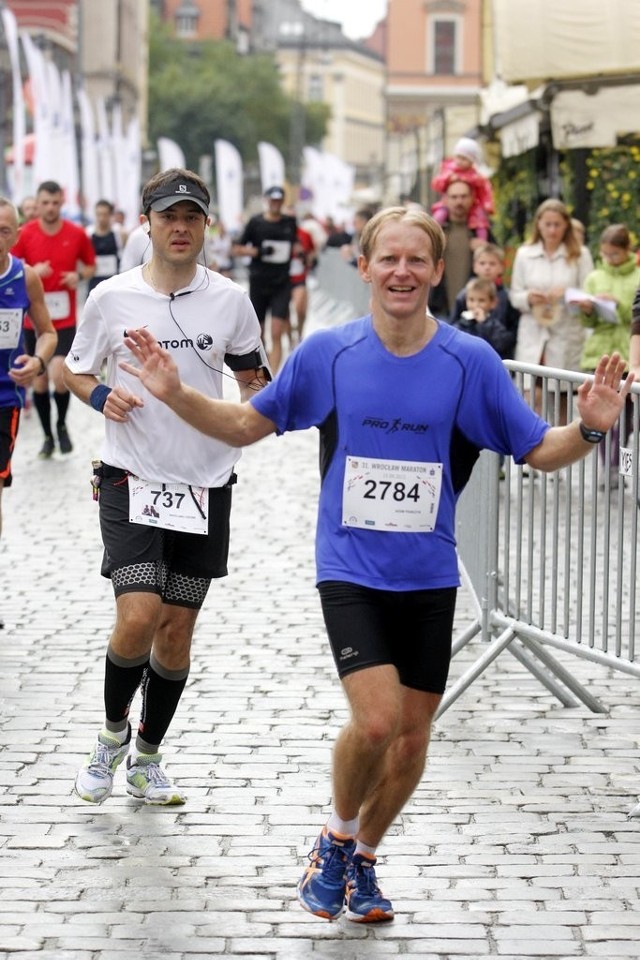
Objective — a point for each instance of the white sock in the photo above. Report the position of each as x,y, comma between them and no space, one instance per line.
346,828
366,850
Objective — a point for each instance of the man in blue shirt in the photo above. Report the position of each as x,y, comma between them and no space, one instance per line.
20,291
403,405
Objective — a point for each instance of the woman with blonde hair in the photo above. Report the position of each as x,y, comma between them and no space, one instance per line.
553,260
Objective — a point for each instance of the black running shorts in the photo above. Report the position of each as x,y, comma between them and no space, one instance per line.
177,566
409,629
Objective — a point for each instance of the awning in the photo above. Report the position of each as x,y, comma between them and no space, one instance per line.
560,39
598,119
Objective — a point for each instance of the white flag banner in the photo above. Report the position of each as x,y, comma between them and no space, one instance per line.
70,177
170,154
54,84
90,173
130,198
19,122
340,177
271,166
229,185
106,165
40,95
314,182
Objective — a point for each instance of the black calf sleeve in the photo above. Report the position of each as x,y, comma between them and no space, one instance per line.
121,680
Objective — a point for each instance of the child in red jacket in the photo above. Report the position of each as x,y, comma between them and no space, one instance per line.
463,166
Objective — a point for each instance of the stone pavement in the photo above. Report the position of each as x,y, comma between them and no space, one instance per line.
517,843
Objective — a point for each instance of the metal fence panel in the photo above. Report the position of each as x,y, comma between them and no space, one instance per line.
552,559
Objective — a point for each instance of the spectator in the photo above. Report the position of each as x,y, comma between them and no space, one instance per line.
463,165
458,255
488,263
614,280
553,260
481,317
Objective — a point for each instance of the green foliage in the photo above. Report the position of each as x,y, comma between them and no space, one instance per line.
202,92
515,187
613,186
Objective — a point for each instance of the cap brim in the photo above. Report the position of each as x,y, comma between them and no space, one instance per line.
165,202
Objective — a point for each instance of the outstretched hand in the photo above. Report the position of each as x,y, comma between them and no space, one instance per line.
156,371
600,400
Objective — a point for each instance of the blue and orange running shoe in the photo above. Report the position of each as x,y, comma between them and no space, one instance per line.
321,889
365,902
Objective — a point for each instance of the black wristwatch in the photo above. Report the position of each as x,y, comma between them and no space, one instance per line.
591,436
43,365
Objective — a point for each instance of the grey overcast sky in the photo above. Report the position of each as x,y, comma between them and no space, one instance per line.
358,17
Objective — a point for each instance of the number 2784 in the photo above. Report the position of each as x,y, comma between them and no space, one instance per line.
387,489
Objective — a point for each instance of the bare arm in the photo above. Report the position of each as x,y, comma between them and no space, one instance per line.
250,382
600,403
237,424
27,368
634,354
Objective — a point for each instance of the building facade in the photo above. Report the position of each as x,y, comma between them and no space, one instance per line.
434,79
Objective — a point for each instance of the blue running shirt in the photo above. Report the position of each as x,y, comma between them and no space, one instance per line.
441,405
13,297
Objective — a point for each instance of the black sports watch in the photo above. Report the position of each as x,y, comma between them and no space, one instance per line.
591,436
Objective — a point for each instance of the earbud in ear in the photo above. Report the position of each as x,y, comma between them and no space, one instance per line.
146,227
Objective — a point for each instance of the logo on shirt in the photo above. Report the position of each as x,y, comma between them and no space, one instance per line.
397,425
204,341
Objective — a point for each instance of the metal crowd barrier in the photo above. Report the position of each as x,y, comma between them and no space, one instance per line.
551,560
341,294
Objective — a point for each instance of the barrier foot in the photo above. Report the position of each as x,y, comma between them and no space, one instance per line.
543,676
494,649
563,675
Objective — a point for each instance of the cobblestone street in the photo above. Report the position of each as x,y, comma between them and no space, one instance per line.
517,844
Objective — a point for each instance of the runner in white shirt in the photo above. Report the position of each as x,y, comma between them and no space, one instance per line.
164,491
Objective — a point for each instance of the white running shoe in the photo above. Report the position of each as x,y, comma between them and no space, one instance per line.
146,780
94,782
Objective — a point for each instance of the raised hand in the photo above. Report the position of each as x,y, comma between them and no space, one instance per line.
157,370
601,399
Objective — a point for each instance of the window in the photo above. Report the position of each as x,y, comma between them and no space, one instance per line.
315,92
187,16
443,59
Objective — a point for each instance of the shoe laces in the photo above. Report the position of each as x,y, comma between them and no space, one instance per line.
332,863
101,759
364,878
154,773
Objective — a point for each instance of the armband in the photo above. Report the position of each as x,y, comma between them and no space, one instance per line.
98,396
591,436
256,360
43,365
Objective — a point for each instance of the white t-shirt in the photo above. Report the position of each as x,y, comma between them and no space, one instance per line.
137,249
205,321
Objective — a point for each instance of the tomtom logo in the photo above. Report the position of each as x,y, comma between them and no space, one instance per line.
176,344
204,341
